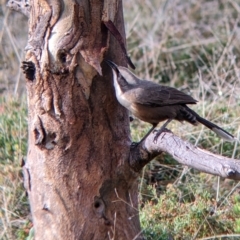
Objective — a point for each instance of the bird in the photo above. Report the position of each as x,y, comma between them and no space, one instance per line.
154,103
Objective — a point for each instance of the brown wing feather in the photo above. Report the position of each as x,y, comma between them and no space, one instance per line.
156,95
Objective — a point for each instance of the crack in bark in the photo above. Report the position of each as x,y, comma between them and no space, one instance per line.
26,178
39,132
37,38
56,7
29,179
64,204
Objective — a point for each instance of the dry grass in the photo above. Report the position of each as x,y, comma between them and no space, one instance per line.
13,39
194,46
13,135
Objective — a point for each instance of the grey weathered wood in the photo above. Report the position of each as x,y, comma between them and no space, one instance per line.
186,154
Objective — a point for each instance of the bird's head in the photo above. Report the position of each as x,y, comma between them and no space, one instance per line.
123,72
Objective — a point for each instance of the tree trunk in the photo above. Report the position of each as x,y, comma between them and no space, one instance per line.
77,172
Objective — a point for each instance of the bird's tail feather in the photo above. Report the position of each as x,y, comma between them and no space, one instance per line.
219,131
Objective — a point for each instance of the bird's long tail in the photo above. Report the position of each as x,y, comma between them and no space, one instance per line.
219,131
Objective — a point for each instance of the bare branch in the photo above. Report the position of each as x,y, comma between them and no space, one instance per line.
185,153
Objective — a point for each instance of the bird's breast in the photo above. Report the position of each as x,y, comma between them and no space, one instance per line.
124,101
121,97
153,115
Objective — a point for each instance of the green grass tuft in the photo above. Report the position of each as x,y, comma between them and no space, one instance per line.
13,147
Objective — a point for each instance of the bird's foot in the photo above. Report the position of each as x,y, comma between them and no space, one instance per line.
158,133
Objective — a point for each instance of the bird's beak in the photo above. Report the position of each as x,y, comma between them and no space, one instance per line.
112,65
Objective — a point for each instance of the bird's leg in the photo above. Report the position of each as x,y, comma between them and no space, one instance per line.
152,128
136,144
161,130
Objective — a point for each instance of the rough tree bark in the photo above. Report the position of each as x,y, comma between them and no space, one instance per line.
77,174
81,171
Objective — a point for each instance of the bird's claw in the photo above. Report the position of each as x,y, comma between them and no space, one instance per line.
158,133
156,138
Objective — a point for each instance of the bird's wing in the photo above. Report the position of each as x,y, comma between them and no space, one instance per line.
157,96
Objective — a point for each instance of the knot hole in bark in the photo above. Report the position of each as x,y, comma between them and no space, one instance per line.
62,56
43,137
28,70
50,140
99,206
63,60
99,209
39,133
